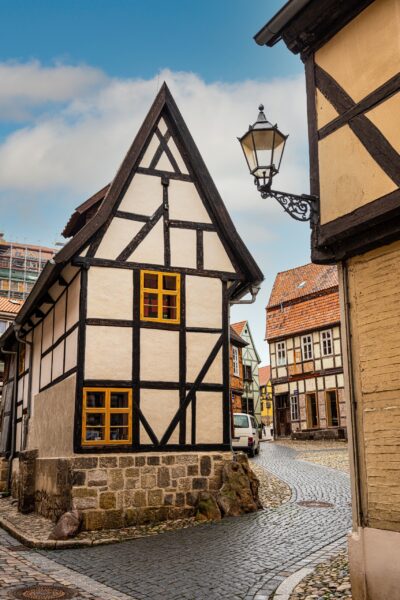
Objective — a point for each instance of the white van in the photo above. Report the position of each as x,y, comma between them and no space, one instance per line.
245,436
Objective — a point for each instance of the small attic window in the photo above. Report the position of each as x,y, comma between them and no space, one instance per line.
302,284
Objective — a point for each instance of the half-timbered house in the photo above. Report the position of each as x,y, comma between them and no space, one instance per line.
119,359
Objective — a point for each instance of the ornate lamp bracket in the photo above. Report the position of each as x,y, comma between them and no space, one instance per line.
301,208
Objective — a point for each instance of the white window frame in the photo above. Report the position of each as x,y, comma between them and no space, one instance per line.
281,353
235,361
326,339
307,347
294,408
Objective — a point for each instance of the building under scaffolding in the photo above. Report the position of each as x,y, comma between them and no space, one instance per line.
20,266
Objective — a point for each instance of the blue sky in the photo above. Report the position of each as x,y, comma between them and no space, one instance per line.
78,78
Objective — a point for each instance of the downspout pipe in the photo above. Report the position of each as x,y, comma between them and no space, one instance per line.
17,329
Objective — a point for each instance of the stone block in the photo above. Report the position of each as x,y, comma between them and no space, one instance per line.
125,498
193,470
155,497
132,472
187,459
168,460
153,460
116,479
126,461
169,499
139,498
179,471
185,484
163,477
131,483
140,461
113,519
200,483
79,478
83,492
180,499
130,517
97,477
150,470
26,483
84,503
107,500
148,481
191,498
108,462
85,462
205,466
93,520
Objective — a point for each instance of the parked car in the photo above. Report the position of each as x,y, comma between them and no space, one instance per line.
245,435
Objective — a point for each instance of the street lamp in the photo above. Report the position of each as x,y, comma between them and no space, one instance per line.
263,145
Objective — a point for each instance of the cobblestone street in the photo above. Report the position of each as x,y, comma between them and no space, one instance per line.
243,558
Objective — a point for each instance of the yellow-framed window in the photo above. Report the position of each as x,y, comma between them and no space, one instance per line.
160,296
107,416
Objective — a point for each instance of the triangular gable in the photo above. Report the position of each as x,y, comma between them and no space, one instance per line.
163,117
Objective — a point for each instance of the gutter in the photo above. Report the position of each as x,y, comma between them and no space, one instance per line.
270,34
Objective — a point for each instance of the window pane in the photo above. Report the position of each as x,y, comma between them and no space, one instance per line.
95,400
151,280
94,434
119,433
119,400
95,420
169,307
119,420
169,282
150,305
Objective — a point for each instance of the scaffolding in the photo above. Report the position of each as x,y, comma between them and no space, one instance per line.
20,266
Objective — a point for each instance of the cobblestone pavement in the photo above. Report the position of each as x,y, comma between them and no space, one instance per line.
242,558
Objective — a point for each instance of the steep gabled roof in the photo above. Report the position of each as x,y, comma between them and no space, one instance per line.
10,306
264,375
238,327
236,339
164,104
301,282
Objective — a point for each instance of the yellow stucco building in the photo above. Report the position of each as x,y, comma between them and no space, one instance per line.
267,411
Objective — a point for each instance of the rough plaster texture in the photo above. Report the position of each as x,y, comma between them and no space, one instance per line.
325,111
215,256
185,203
198,348
209,416
183,248
110,293
159,355
151,249
118,235
198,312
143,196
108,352
159,408
73,302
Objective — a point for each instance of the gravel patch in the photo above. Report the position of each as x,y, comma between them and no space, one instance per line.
334,460
329,581
273,492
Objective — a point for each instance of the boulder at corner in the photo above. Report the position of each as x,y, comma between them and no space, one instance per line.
207,508
67,526
239,492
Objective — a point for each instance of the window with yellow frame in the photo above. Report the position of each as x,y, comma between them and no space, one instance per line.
107,416
160,296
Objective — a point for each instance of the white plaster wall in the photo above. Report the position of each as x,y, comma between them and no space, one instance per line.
59,317
189,424
37,337
330,382
45,370
301,387
69,272
320,383
71,350
159,408
58,361
162,126
47,331
52,425
327,362
159,355
73,302
203,302
215,256
336,346
118,235
198,348
55,292
150,152
108,352
310,385
164,164
143,196
177,156
183,248
151,250
110,293
209,418
185,203
340,380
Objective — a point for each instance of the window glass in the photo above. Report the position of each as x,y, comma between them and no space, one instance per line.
307,347
169,282
281,353
119,400
241,421
150,280
235,360
326,342
106,416
95,400
160,297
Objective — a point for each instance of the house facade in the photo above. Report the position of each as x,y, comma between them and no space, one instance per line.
118,377
303,334
236,370
251,359
267,411
351,56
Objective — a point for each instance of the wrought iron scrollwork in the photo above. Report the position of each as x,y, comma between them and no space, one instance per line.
301,208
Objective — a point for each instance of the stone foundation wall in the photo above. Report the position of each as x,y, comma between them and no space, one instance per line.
115,491
3,474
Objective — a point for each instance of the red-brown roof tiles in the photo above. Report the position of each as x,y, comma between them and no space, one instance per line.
238,327
302,281
314,313
264,375
10,306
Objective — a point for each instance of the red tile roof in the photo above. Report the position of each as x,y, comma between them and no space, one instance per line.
10,306
313,313
302,281
238,327
235,339
264,375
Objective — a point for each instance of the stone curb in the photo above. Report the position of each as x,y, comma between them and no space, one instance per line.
287,586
